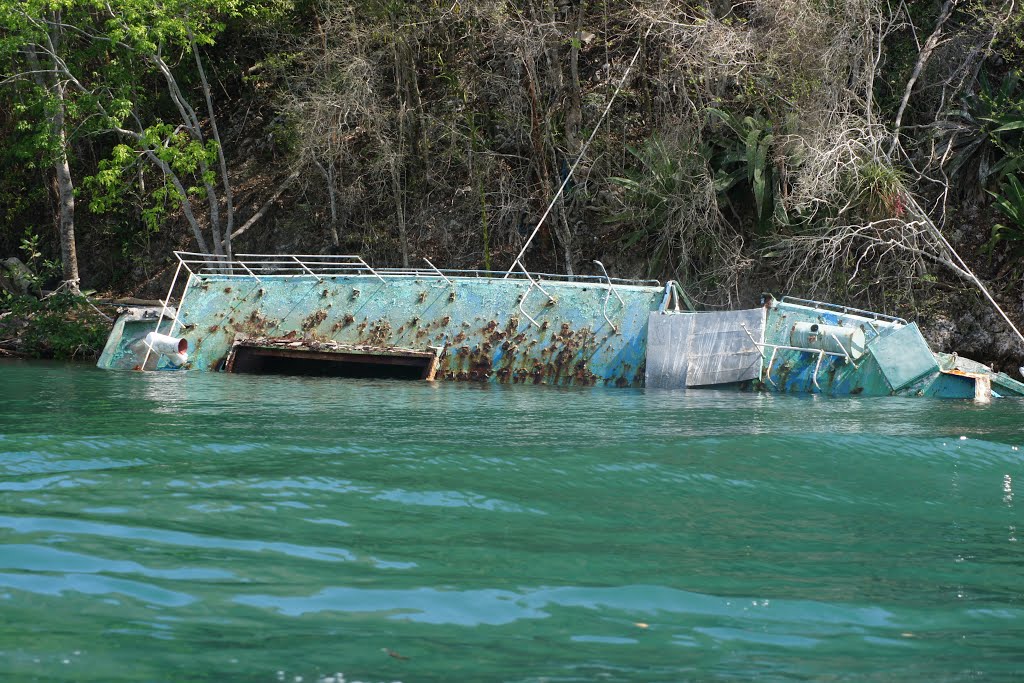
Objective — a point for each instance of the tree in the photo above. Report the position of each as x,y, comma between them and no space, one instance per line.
103,56
33,38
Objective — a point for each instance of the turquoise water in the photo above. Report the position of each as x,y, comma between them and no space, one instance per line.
172,527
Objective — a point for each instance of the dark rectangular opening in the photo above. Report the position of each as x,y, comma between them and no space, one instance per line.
385,364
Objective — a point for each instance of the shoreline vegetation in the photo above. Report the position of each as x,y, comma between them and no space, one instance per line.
816,149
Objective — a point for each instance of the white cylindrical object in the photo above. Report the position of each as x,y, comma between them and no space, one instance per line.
831,338
169,346
178,359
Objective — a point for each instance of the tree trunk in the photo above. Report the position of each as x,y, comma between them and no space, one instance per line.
922,60
403,238
332,195
61,166
195,128
66,194
225,181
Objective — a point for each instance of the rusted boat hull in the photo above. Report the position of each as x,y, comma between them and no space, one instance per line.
525,330
338,316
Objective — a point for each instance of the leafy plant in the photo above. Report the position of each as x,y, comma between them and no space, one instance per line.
657,190
983,140
39,269
670,208
1009,202
877,191
61,326
743,160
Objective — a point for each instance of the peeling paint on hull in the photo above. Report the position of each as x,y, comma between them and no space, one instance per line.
484,327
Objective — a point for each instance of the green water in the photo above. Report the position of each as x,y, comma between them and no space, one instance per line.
172,527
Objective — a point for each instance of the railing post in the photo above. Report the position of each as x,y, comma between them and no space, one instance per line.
163,309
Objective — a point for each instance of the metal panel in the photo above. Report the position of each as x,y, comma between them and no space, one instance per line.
508,331
703,349
795,371
903,356
126,335
721,350
668,337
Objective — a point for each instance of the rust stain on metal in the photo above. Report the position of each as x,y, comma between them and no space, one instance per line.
314,319
380,332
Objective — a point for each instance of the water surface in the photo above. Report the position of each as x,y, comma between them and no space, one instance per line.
200,527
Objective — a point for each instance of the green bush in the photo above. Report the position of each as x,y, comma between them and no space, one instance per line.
62,326
1009,202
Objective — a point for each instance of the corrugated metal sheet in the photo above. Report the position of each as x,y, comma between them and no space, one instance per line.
668,337
720,349
700,349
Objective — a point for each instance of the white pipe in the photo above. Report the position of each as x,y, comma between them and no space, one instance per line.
177,359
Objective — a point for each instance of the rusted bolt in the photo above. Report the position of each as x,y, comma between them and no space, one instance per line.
227,290
451,297
325,294
355,293
423,297
415,320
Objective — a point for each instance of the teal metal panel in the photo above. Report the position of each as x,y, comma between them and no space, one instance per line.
125,341
794,371
903,356
939,385
483,326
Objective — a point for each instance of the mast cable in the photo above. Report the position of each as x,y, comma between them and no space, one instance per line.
568,176
960,262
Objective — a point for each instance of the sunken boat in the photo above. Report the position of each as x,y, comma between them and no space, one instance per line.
339,316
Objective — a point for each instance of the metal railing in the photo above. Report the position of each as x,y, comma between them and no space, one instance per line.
836,308
320,266
821,353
